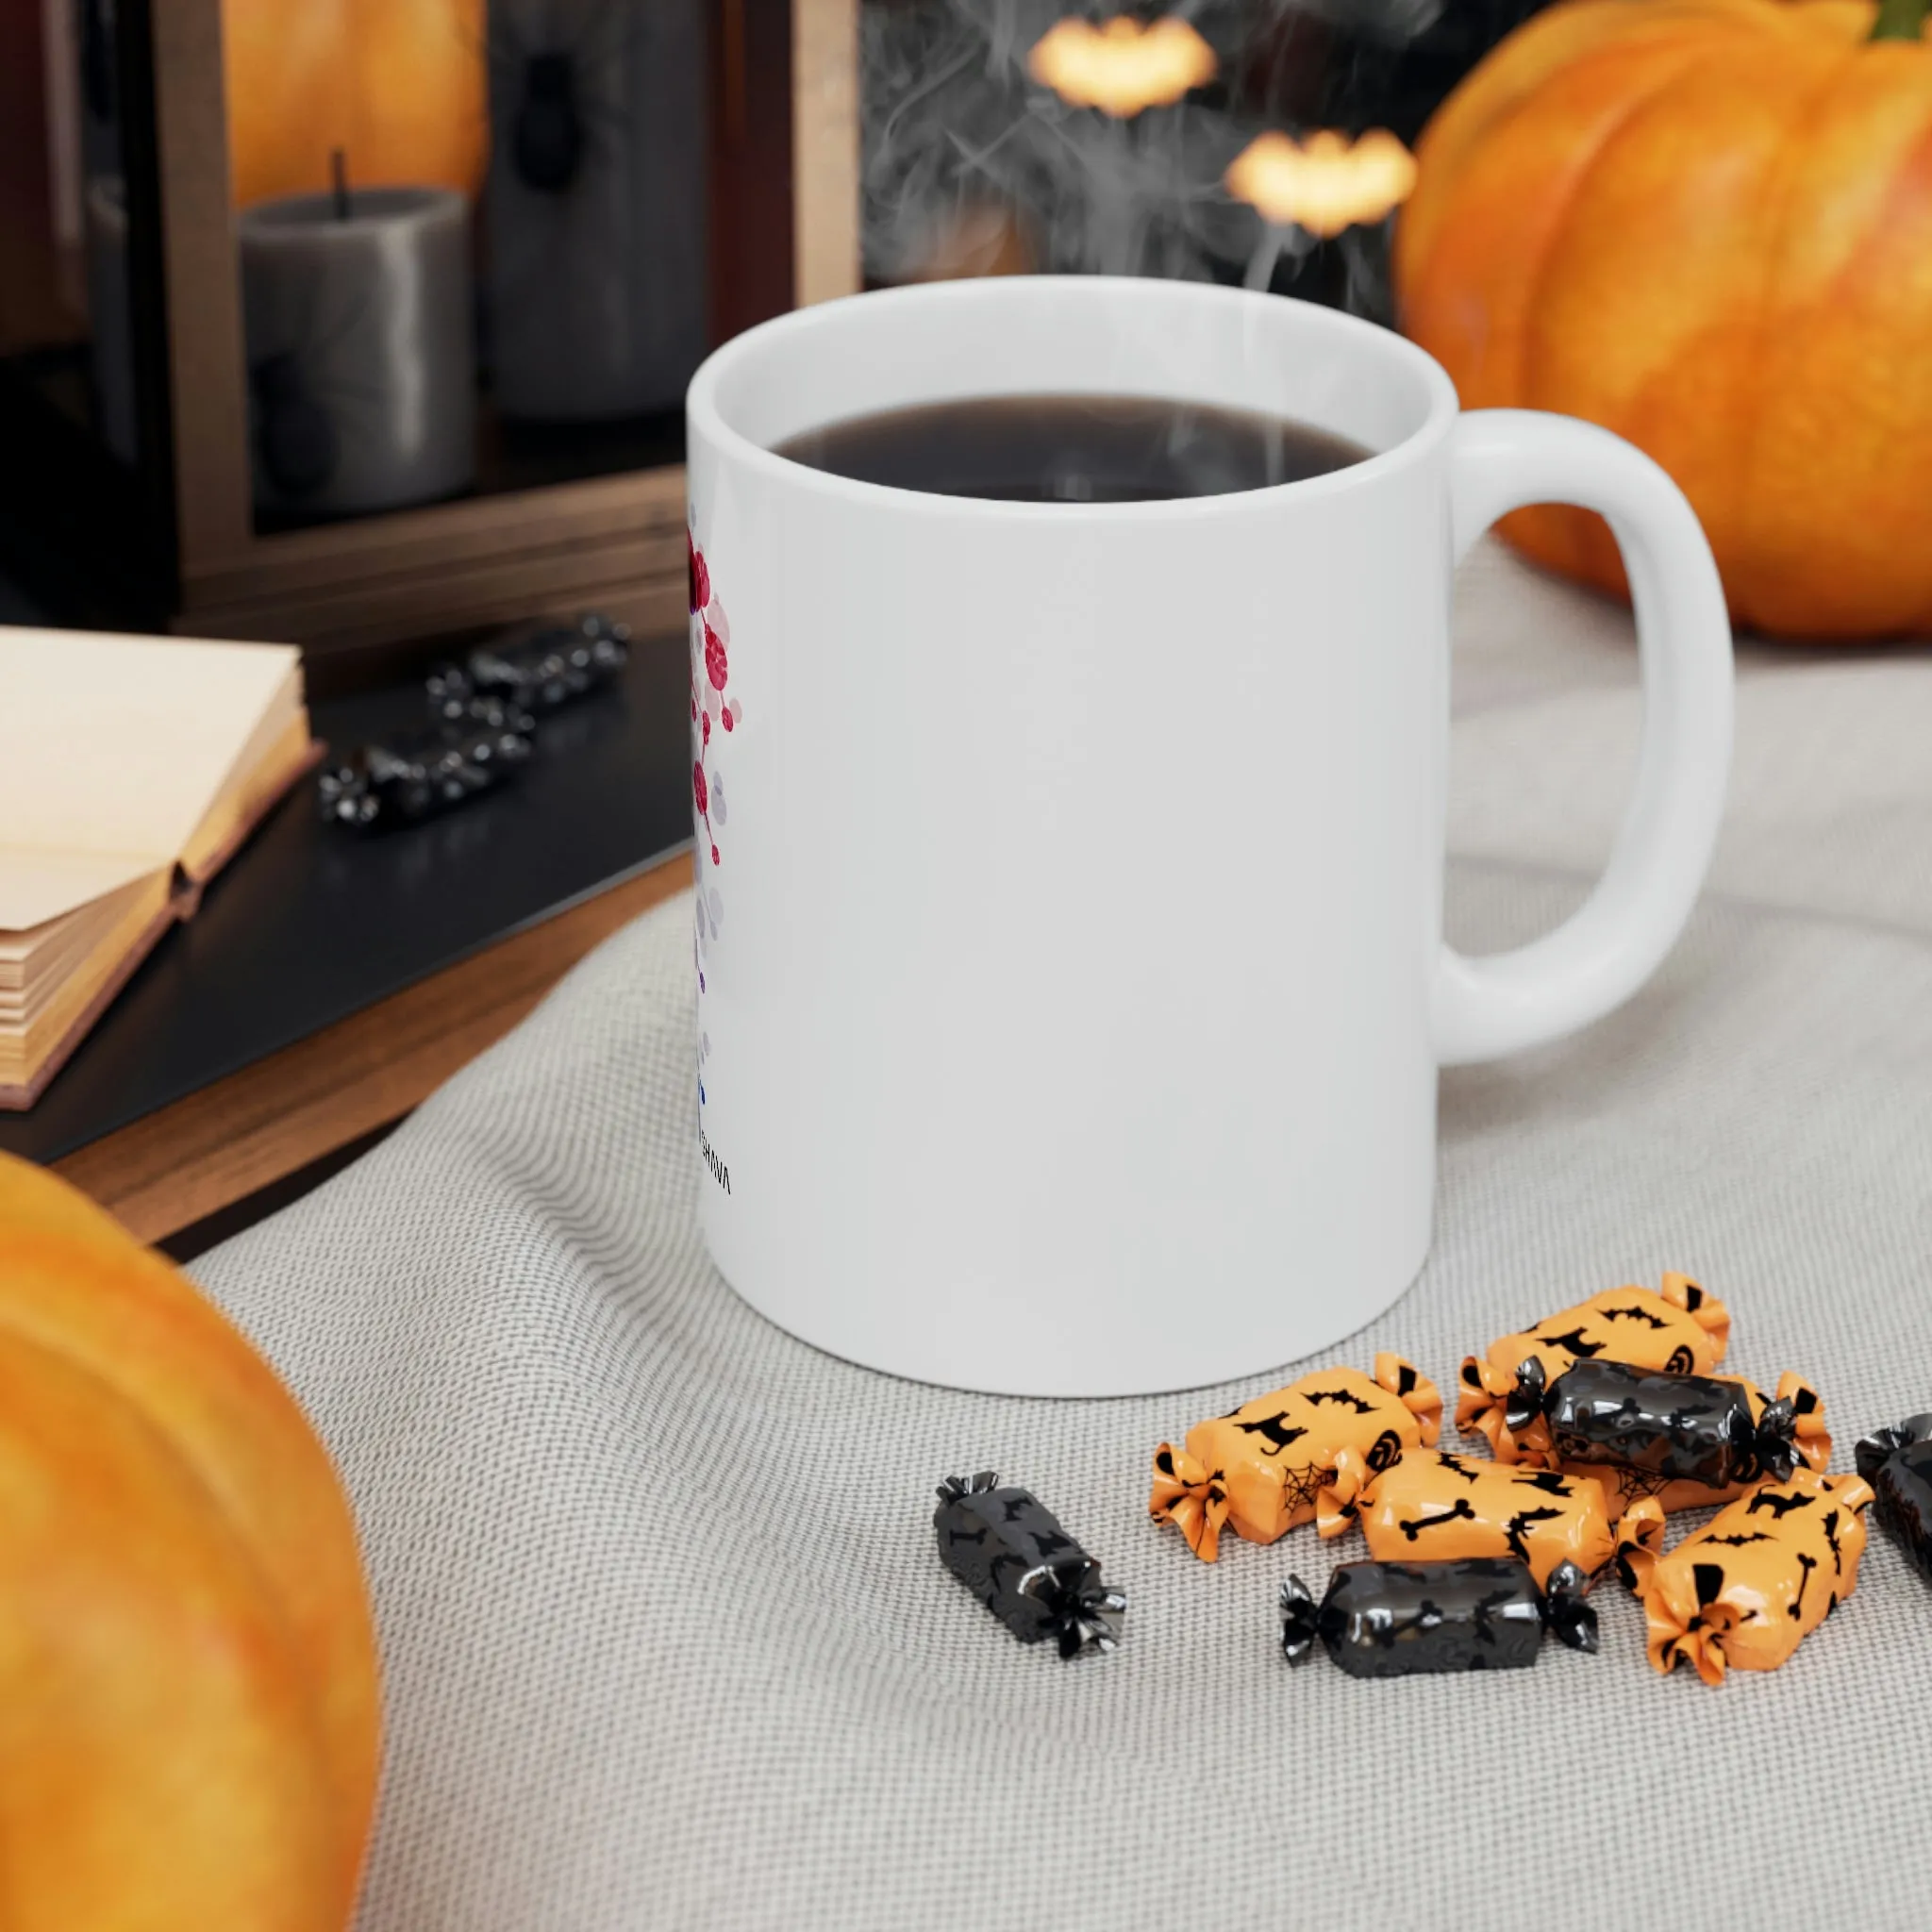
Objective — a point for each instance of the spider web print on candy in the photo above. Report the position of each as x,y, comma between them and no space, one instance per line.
715,713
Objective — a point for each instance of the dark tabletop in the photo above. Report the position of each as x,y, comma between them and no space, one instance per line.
310,922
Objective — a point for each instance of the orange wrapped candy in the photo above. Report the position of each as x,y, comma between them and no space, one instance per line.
1681,1331
1440,1507
1258,1470
1746,1591
1624,1484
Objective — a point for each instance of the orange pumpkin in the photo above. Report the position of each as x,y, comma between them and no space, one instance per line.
1707,226
399,85
188,1678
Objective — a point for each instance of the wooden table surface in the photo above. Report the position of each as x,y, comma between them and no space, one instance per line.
215,1149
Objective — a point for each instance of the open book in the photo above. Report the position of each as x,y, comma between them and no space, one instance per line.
130,770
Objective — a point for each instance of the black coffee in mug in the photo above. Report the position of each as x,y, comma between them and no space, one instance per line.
1073,449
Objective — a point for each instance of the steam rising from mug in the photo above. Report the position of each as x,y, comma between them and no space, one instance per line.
973,165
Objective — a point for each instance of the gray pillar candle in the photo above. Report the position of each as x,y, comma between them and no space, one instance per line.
596,205
362,370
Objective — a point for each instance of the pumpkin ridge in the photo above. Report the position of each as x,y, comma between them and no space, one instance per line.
59,1239
1572,538
1672,22
352,1808
1905,187
1922,619
1463,126
1780,192
264,1600
1668,77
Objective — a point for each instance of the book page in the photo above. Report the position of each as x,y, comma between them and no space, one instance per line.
250,793
42,951
113,750
99,928
36,887
25,1044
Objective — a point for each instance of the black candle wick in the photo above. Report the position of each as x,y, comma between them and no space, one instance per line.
339,176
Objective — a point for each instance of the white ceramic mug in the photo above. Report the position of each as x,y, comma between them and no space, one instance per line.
1073,983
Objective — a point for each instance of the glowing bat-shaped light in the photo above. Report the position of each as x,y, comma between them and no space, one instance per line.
1121,66
1325,184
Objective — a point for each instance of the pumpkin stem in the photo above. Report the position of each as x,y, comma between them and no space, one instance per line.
1899,19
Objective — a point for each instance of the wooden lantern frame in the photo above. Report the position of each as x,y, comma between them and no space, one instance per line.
351,589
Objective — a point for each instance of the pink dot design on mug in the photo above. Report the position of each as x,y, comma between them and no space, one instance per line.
715,710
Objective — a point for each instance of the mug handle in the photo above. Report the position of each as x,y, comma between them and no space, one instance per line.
1501,459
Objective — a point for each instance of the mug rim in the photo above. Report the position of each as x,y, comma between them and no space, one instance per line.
706,421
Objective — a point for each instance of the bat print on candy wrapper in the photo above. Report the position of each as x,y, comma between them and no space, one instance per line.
1635,1314
1513,1529
1278,1434
1829,1525
1551,1482
1575,1344
1341,1398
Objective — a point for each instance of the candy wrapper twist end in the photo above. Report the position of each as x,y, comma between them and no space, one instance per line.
1872,1452
1896,1464
1299,1618
1338,1504
1568,1614
1868,1453
1192,1497
1523,1404
957,1486
1081,1612
1417,1393
1768,1447
1482,1405
1704,1309
1640,1543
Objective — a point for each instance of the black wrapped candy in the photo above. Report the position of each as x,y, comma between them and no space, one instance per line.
401,780
537,672
1466,1613
1676,1429
1898,1465
1009,1549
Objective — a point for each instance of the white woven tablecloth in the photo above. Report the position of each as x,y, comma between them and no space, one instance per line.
667,1642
